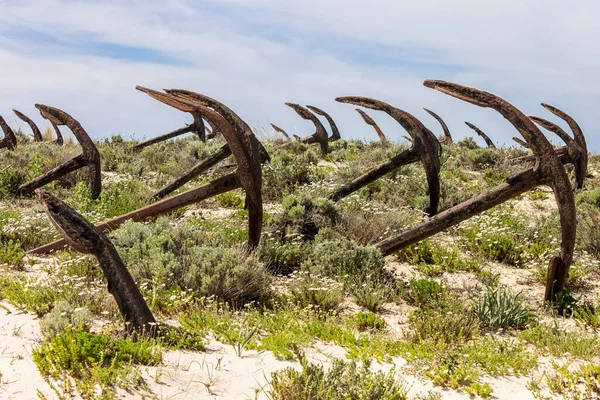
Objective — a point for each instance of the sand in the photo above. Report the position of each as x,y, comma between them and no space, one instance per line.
217,373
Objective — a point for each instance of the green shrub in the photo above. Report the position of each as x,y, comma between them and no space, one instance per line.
425,292
65,316
225,273
461,365
149,250
468,143
160,255
588,313
591,197
343,380
368,321
347,150
344,257
118,156
10,180
12,254
230,200
283,258
442,326
307,290
305,215
588,234
366,223
24,228
370,294
117,198
558,342
361,268
94,362
501,235
433,258
25,296
288,170
483,158
500,308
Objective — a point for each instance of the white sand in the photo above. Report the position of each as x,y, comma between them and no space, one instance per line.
217,373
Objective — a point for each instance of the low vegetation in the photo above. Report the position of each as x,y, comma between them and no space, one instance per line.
460,308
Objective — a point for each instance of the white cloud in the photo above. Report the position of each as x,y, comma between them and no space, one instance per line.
255,54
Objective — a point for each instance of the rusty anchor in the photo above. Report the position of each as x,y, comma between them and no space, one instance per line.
548,170
242,144
425,148
90,157
84,237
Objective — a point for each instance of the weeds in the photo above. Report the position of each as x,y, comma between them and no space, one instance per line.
245,335
65,317
568,382
361,269
500,308
191,267
343,380
552,340
369,321
94,361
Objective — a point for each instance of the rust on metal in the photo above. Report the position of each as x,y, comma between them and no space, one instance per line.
548,170
370,121
520,142
241,143
59,138
90,157
425,147
247,151
197,126
447,137
220,185
84,237
229,132
284,133
180,98
320,135
248,137
10,139
576,146
335,133
481,133
37,135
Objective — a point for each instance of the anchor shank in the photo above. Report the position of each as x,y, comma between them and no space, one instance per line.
514,186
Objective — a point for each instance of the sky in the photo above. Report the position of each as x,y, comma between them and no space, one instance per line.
87,57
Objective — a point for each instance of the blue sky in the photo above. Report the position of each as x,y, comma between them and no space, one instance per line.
87,58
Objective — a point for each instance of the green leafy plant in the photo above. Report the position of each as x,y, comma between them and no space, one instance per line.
63,317
245,335
161,256
230,200
442,326
93,361
12,254
308,290
368,321
500,308
343,380
425,292
553,340
361,268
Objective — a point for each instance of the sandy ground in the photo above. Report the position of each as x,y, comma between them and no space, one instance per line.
19,377
217,373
